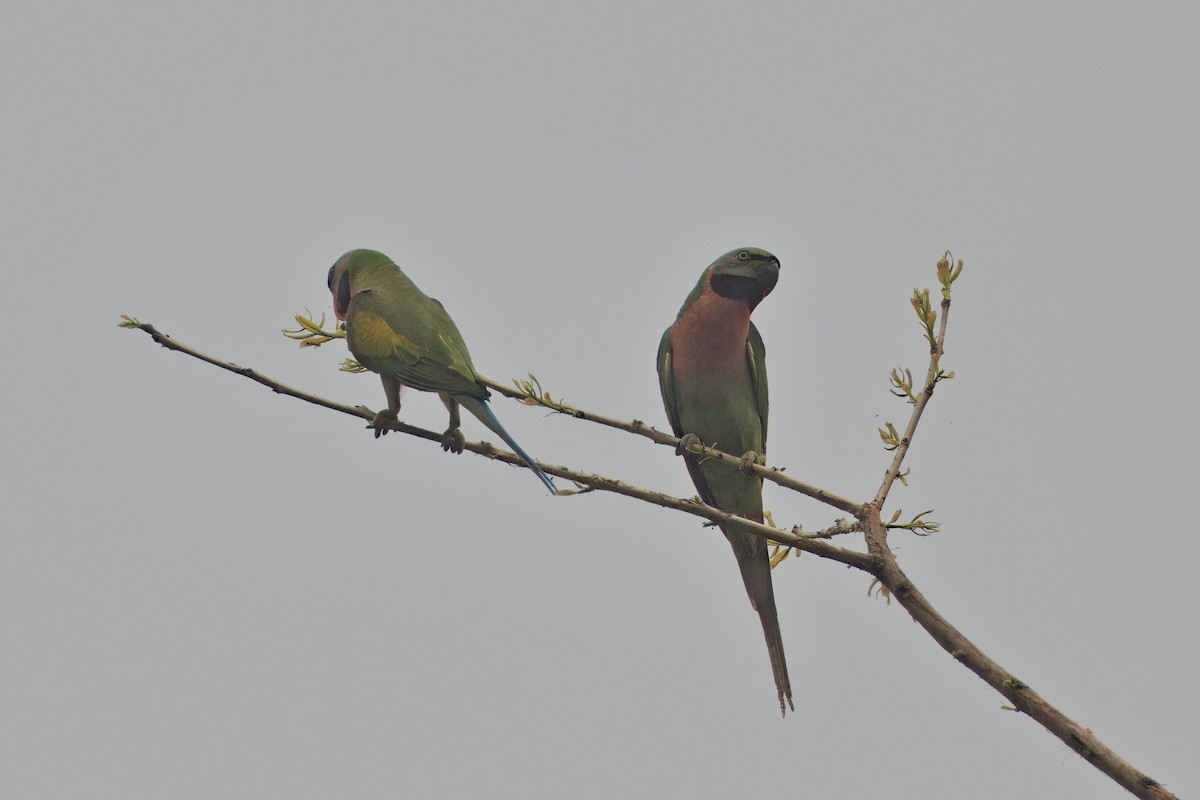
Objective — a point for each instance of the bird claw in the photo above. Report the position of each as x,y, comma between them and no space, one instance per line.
453,440
748,458
380,418
690,443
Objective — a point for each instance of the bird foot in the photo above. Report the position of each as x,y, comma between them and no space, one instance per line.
690,443
748,458
453,440
382,417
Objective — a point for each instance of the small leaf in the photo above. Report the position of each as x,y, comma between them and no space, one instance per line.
778,557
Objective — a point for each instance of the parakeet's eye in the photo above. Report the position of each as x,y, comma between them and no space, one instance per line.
742,256
329,280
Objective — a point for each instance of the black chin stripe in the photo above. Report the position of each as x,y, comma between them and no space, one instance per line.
343,292
737,287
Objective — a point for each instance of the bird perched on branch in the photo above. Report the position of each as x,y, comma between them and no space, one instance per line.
396,330
713,376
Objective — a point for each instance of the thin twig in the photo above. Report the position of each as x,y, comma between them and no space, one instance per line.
811,544
594,481
931,378
313,334
773,474
838,528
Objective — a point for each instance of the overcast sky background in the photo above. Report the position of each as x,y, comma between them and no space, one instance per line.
212,590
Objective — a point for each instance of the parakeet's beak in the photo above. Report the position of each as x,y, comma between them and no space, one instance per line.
768,275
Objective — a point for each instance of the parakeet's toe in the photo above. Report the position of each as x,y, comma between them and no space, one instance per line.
748,458
380,423
689,442
453,440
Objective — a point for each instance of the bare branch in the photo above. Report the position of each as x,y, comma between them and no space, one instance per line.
1022,697
809,543
594,481
773,474
878,561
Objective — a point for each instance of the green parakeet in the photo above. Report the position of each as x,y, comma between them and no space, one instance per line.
713,376
399,332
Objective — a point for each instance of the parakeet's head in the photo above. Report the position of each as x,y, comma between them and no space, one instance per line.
343,274
747,274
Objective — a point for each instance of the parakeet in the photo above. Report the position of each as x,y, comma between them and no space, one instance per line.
713,376
399,332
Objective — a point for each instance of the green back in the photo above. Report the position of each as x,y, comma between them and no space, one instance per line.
393,328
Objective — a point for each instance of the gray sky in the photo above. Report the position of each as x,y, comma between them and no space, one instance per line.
212,590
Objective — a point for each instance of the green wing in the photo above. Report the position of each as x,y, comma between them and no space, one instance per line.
756,354
666,383
411,337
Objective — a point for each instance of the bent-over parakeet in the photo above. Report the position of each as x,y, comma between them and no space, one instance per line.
399,332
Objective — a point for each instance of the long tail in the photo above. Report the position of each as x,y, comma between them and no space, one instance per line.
481,410
755,566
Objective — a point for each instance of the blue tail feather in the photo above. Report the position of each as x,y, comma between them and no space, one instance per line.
483,411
